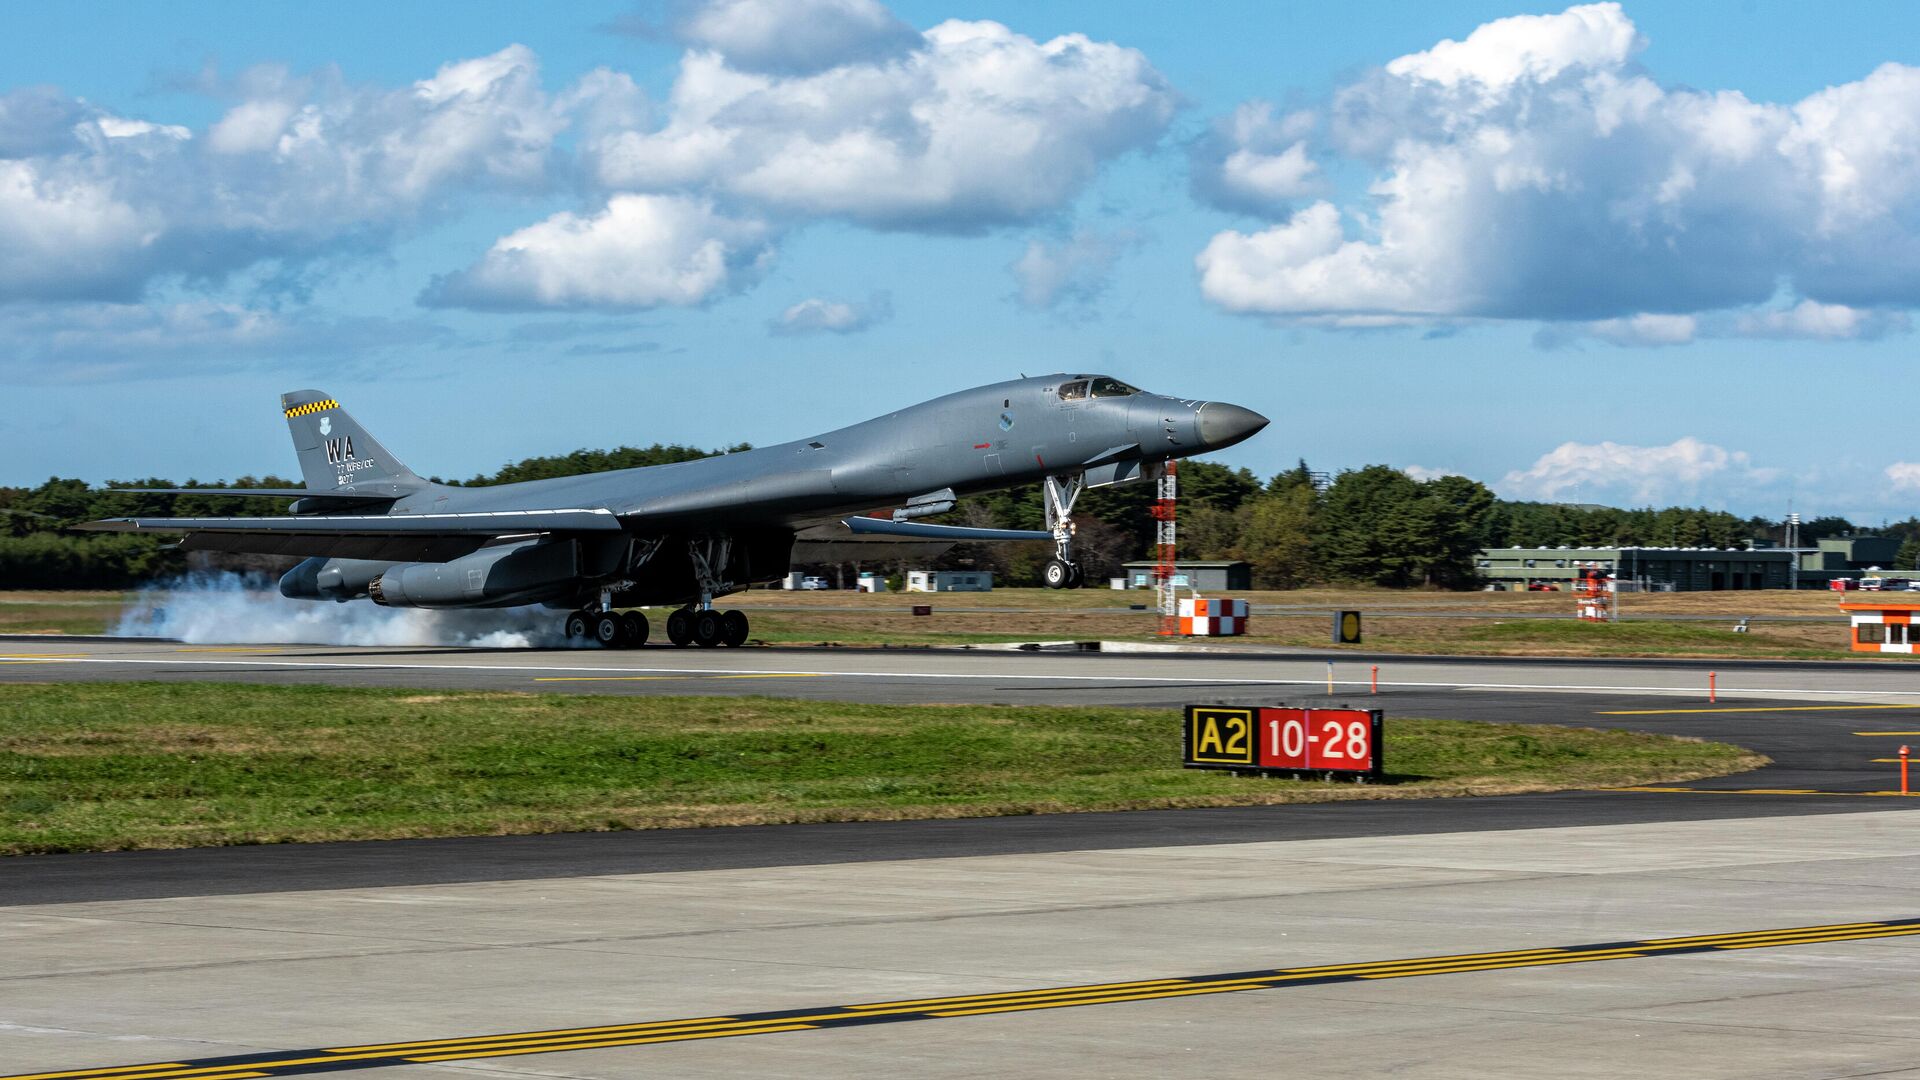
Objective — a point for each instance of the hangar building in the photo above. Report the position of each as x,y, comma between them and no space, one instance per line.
1650,568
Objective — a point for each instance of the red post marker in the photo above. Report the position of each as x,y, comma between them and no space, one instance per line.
1903,770
1376,678
1713,692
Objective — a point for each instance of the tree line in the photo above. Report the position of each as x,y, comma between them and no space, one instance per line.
1374,525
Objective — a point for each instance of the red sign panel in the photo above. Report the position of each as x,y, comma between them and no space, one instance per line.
1312,740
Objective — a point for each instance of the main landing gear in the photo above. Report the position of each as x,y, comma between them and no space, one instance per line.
706,627
696,624
609,629
1061,572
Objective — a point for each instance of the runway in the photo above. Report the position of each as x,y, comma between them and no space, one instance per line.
1469,937
910,675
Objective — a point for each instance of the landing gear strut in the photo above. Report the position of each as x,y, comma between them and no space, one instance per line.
1061,572
698,623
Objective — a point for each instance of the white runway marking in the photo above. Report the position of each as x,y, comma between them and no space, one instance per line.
1171,680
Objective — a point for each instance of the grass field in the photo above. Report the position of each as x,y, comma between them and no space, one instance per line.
1655,624
89,767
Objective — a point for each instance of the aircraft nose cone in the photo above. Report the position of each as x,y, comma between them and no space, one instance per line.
1221,424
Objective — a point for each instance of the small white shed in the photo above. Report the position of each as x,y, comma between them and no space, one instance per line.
949,581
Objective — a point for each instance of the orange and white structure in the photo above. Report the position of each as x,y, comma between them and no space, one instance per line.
1883,626
1593,594
1209,616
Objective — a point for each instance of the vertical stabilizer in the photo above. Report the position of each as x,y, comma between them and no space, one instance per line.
336,453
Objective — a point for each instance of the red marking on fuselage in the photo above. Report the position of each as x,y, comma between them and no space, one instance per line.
981,445
1037,461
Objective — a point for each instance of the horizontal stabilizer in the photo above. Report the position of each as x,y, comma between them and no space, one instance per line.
397,537
342,494
951,533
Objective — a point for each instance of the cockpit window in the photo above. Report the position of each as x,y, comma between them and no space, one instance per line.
1104,387
1073,391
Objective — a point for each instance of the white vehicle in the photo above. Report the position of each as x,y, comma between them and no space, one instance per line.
813,583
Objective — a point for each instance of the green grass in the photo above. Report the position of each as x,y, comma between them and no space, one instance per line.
88,767
1645,637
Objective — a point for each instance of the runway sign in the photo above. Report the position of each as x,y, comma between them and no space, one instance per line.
1346,628
1342,744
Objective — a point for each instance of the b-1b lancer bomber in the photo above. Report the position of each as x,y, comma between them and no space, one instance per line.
686,534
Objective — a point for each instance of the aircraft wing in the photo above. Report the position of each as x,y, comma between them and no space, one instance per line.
953,534
856,538
391,537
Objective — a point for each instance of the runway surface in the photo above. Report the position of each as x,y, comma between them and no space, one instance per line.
1434,938
918,675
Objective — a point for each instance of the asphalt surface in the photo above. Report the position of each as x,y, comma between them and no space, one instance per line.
1763,924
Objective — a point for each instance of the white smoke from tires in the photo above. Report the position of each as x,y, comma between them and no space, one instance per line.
247,609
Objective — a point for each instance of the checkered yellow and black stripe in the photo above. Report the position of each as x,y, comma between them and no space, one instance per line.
312,407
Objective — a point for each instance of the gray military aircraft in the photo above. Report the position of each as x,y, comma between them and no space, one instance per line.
688,533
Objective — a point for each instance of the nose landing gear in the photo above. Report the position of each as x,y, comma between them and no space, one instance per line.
1061,572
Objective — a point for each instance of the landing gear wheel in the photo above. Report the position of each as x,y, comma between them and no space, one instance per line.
1076,575
733,629
1056,574
708,626
680,627
608,631
635,628
578,625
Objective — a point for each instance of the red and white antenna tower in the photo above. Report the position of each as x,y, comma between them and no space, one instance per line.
1163,567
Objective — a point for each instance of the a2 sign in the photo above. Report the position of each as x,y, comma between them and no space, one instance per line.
1343,743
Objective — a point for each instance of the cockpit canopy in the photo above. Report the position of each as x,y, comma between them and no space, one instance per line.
1082,387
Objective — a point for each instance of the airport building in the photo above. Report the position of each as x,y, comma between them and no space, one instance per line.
1205,577
1645,568
1848,557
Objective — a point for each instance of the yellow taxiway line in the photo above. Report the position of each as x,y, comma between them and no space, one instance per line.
562,1040
1766,708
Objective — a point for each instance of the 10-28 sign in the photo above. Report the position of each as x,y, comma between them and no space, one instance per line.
1344,743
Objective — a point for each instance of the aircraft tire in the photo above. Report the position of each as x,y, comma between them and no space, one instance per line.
708,628
635,625
608,630
1056,574
680,627
1076,576
733,629
578,625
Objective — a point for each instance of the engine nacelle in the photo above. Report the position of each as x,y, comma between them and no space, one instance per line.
321,578
523,573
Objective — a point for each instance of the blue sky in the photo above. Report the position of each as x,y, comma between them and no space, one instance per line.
1617,253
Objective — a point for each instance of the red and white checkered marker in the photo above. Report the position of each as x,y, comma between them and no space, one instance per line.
1212,617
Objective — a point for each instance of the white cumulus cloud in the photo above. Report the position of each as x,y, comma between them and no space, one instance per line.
817,316
1076,269
95,206
797,37
642,251
1256,162
975,126
1904,475
1533,170
1812,320
1642,474
1646,329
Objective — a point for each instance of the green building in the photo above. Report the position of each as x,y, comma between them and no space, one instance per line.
1849,557
1647,568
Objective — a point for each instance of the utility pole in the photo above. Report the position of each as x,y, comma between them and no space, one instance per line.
1163,562
1793,544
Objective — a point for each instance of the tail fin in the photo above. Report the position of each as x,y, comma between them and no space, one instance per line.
336,453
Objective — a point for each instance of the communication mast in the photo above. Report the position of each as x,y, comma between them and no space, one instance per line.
1593,595
1163,566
